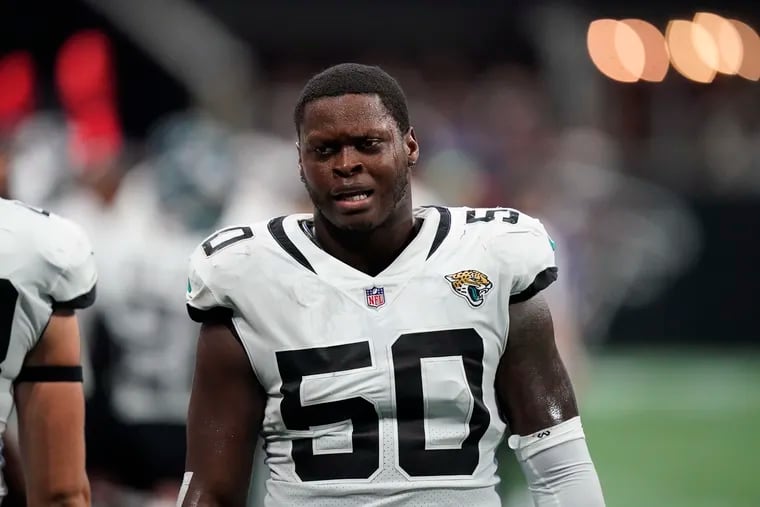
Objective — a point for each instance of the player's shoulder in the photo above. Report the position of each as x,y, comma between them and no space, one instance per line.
507,233
58,240
221,260
231,242
55,250
235,248
519,242
491,223
66,245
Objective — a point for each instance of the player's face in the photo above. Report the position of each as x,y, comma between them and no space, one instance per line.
354,161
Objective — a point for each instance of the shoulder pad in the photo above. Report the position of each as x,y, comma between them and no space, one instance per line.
522,243
67,247
212,269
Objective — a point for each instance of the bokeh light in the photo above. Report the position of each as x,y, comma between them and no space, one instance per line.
727,40
655,49
17,75
633,49
750,66
616,50
693,51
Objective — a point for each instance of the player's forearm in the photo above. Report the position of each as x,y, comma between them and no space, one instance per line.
558,467
56,478
75,496
198,496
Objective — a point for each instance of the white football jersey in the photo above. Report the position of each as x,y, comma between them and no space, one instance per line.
46,262
379,389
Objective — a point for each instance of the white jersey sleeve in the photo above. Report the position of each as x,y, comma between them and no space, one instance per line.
49,263
210,272
528,251
202,302
69,250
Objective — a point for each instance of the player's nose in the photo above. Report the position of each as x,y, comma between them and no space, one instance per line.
347,163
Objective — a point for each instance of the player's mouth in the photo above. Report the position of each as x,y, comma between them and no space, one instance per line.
353,200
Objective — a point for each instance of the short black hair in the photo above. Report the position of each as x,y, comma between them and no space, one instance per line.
349,78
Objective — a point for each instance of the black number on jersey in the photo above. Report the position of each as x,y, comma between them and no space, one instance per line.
511,217
8,299
365,438
364,460
210,246
408,352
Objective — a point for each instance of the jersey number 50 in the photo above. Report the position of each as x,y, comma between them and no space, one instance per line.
414,458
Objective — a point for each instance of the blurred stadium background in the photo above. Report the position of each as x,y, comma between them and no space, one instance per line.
638,144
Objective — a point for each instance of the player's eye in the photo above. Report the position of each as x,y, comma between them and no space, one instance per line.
325,150
368,144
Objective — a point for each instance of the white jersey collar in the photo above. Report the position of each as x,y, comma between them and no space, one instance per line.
291,236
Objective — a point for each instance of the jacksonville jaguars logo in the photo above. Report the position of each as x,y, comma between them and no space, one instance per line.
471,285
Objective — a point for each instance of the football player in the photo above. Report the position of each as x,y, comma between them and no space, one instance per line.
382,350
47,271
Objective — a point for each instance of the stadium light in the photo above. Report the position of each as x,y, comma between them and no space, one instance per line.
656,56
750,66
693,51
616,50
727,40
633,49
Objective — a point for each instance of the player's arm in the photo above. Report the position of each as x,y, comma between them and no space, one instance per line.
226,409
50,405
13,471
537,398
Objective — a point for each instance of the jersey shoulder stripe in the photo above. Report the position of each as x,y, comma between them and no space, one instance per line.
444,227
277,230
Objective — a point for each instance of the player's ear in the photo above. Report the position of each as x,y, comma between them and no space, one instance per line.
300,165
412,147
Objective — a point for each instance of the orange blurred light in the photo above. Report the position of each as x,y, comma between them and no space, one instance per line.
727,39
655,49
750,65
693,51
630,49
616,50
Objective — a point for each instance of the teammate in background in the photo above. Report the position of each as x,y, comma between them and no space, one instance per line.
382,350
46,272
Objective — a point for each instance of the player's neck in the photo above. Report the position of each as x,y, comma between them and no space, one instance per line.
369,252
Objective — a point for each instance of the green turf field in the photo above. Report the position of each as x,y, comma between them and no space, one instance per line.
675,429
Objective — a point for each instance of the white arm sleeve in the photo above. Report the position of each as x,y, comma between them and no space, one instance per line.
557,466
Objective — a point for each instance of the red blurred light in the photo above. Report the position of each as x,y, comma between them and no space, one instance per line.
17,79
84,70
85,78
95,137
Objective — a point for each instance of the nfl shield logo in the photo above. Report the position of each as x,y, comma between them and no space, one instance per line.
375,297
